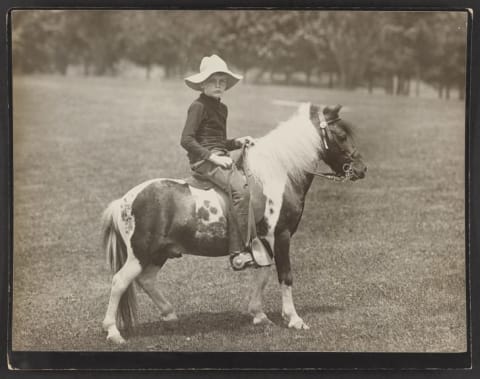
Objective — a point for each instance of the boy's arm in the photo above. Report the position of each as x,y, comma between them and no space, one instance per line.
188,140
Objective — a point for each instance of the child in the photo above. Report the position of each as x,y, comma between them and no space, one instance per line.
205,139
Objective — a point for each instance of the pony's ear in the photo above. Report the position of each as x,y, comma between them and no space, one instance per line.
332,110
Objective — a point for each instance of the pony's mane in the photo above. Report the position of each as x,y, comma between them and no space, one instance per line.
286,151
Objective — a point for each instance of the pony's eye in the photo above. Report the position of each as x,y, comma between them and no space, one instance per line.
342,137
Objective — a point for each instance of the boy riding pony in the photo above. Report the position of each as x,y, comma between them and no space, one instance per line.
205,139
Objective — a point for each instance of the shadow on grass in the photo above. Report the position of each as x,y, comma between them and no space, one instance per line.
305,311
228,321
193,323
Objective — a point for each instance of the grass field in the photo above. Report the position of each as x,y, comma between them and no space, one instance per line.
378,265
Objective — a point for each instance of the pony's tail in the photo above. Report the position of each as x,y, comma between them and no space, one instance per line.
116,254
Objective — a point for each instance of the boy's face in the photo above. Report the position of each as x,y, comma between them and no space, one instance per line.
215,85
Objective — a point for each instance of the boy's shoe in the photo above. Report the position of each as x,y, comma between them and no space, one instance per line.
241,259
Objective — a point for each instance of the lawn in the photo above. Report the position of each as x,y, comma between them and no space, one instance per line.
378,265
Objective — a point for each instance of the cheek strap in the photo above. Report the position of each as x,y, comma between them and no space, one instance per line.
324,130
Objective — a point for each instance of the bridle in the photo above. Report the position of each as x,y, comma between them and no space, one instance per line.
325,138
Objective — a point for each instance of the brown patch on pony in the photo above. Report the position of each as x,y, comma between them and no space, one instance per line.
203,214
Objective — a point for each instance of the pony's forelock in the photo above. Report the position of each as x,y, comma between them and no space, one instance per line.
289,150
346,127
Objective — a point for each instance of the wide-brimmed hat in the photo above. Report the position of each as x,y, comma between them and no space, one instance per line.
209,66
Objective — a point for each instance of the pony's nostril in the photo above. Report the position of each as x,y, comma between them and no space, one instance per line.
360,174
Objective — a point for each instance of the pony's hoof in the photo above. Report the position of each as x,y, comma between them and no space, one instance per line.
116,339
298,324
171,317
262,319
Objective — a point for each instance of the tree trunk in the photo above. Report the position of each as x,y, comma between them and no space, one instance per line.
308,77
370,84
342,79
86,68
440,91
407,87
330,80
389,84
396,85
148,69
418,79
461,92
259,75
288,78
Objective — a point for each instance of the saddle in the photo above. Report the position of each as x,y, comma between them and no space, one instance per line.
256,191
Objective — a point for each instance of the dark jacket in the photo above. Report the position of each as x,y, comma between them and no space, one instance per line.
206,129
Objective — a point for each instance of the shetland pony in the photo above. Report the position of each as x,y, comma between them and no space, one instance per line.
163,218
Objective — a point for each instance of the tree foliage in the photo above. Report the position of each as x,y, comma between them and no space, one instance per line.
357,48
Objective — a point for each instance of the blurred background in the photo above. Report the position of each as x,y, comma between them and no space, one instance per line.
400,53
99,104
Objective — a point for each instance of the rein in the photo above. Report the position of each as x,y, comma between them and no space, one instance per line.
332,176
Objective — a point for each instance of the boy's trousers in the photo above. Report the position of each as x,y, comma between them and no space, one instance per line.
233,183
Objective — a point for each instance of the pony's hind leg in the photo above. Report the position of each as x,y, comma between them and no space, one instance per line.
146,280
255,306
120,282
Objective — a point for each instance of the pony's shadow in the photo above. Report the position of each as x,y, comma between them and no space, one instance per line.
195,323
228,321
305,312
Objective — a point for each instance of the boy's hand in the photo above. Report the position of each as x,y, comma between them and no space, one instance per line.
247,139
221,160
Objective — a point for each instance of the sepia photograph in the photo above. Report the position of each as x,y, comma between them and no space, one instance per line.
239,181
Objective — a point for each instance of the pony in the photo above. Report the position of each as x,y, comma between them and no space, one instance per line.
166,218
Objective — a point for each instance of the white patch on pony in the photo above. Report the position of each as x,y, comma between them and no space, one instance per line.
208,201
273,191
289,312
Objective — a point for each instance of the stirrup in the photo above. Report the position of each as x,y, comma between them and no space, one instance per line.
241,260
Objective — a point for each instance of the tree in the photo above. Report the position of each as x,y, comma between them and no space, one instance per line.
349,38
449,53
31,45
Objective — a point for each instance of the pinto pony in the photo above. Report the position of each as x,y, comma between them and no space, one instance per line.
165,218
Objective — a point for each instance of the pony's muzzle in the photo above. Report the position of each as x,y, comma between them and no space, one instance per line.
355,170
359,171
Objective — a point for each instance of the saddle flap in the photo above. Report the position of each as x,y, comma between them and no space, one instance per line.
198,182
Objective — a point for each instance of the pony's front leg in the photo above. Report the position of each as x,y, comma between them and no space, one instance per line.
282,260
255,306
